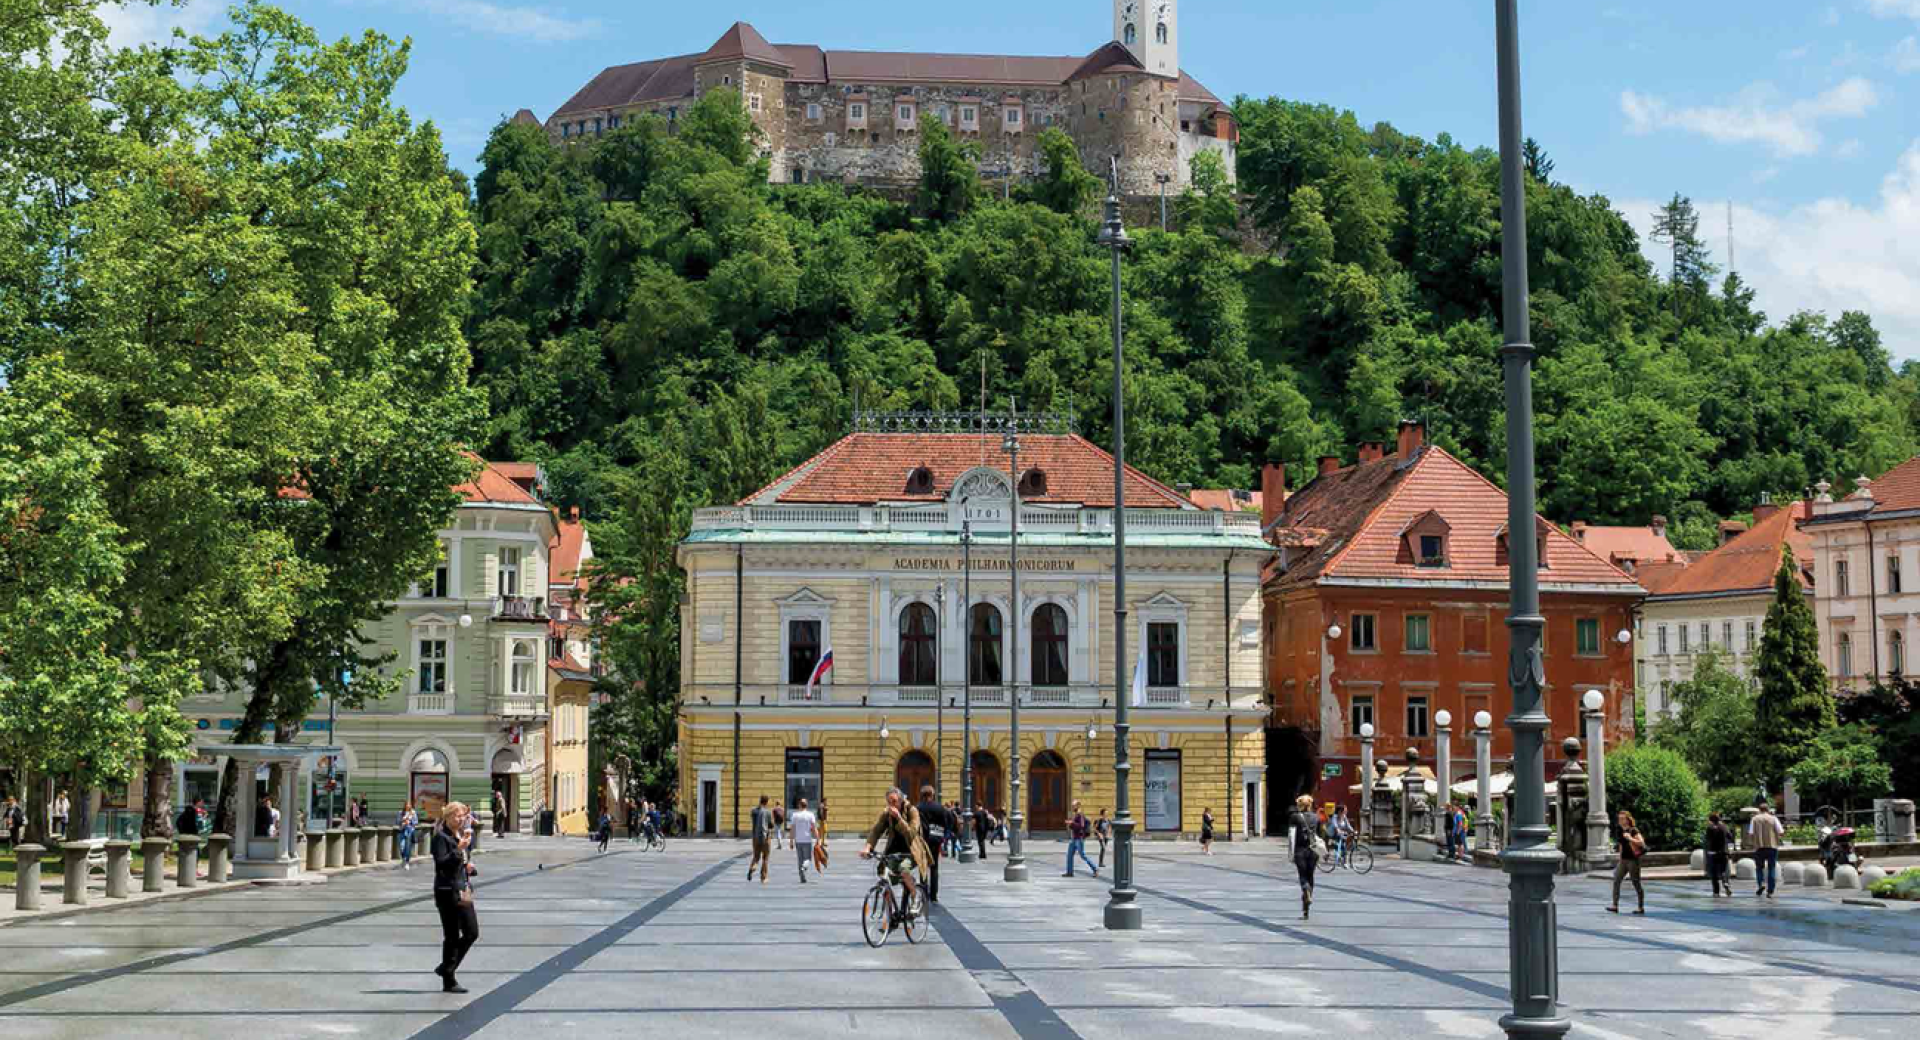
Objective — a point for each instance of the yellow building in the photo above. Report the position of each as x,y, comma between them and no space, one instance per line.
571,671
892,551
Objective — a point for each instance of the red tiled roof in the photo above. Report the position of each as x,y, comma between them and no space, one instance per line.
1898,488
744,41
1223,500
907,67
565,556
494,486
1108,57
1191,90
867,468
1364,508
1748,562
1615,544
1656,575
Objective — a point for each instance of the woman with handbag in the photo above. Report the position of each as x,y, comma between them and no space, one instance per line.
453,892
1632,847
1307,849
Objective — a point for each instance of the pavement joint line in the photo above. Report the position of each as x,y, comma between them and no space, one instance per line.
1630,937
89,978
1029,1015
1361,952
505,998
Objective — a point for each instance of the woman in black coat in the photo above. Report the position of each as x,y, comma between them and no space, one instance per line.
1304,823
453,892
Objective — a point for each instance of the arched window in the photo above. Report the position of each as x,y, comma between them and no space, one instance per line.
1896,654
983,646
919,645
1033,483
912,772
1049,646
1160,32
1133,36
522,667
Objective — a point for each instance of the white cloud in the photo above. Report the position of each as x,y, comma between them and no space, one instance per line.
1829,255
1755,116
1894,9
134,24
1906,55
524,23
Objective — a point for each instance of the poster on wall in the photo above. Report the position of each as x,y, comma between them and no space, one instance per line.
1163,790
429,794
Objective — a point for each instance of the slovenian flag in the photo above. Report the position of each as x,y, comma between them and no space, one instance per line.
820,670
1140,680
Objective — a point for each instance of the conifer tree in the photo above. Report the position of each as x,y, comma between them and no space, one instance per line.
1796,705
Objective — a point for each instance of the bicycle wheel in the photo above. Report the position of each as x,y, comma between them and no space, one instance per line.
1360,858
1329,861
876,914
914,922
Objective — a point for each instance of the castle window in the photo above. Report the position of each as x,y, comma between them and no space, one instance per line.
1012,118
903,117
566,130
596,125
753,102
813,113
969,117
726,81
832,139
1133,35
1160,33
613,122
673,113
1186,127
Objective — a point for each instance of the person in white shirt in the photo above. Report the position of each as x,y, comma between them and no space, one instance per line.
804,827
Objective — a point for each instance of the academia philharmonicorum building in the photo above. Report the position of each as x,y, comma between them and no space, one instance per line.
892,551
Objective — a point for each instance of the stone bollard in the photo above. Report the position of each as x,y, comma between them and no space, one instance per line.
153,863
316,849
219,858
1871,875
383,844
119,869
1815,876
1697,862
188,873
1793,873
351,838
1744,870
367,834
26,876
1845,876
73,879
336,845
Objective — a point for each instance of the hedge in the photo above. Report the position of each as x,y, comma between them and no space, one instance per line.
1661,791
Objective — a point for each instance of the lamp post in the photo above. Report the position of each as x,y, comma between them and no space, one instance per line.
1482,766
1123,907
1366,774
1412,785
1599,854
1443,765
1530,860
1016,870
939,697
966,689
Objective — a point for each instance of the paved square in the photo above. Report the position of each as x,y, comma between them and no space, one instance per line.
681,944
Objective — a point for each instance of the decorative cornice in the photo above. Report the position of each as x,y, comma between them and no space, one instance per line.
963,422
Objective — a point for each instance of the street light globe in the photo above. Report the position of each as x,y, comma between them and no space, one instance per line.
1366,730
1624,637
1333,631
1593,700
1443,718
1092,732
466,621
1482,720
884,733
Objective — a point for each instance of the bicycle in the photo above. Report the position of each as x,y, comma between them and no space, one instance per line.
1354,854
882,911
651,841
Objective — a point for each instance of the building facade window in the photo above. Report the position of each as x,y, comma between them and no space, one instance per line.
441,585
433,666
969,117
1726,635
1433,551
984,647
1012,117
1893,574
1133,34
803,648
1417,717
1843,656
805,768
1359,713
1663,640
1896,654
813,112
1419,633
1751,647
509,570
1163,654
1840,578
753,102
1361,632
1686,642
904,114
1160,33
1473,634
1586,637
1049,646
919,646
521,677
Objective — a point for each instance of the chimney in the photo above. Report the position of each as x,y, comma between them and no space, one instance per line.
1731,529
1372,451
1413,437
1185,490
1765,509
1273,493
1329,464
1659,525
1579,530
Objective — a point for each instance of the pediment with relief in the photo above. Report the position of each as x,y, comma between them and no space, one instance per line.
981,484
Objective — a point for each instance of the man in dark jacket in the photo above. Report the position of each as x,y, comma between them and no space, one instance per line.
935,823
189,821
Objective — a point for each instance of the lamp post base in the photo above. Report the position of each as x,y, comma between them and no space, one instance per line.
1548,1027
1123,917
966,854
1016,872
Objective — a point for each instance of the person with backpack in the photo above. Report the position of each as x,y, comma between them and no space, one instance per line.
1632,848
762,850
779,825
1077,830
1303,826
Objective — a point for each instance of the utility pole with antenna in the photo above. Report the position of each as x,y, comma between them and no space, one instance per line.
1732,266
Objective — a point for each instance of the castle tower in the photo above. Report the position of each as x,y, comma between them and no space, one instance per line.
1150,30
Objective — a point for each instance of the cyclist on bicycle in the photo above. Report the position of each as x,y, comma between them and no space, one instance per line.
1341,828
899,824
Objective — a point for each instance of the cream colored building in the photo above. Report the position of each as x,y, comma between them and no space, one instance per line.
892,550
1866,551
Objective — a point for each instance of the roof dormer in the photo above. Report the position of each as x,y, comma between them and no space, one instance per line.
1033,483
1540,528
1425,541
920,480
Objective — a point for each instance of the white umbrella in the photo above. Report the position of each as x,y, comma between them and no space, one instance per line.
1497,785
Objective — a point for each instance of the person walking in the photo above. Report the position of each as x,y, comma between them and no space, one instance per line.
62,811
354,819
1206,832
1077,830
779,825
1103,831
999,825
804,832
453,873
190,817
1632,848
762,830
1303,827
604,830
499,809
1719,839
982,828
408,820
935,824
16,820
1767,832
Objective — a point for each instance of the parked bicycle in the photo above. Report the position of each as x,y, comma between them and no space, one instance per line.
1354,855
883,910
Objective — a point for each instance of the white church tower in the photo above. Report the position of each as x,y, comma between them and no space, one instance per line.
1150,29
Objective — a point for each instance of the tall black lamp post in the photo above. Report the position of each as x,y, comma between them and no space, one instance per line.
1530,860
966,689
1016,858
1123,907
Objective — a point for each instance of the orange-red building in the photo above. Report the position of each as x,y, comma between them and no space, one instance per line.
1388,604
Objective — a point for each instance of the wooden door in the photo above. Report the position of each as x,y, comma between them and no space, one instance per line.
914,771
987,790
1047,793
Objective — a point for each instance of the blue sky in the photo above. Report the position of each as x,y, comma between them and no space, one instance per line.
1799,113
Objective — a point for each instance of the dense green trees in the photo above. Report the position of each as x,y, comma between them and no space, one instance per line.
1795,706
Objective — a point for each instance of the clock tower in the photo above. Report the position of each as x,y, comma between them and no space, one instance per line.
1150,29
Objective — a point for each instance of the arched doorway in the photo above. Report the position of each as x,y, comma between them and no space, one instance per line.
914,771
987,790
1047,793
